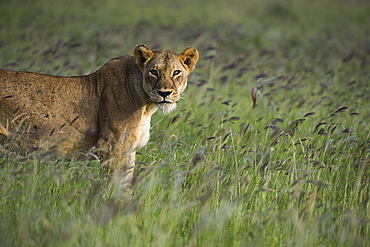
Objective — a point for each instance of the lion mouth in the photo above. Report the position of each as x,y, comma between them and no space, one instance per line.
164,102
166,106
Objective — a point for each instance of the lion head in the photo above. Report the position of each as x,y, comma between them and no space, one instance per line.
165,74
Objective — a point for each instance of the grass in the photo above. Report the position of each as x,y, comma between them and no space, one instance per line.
292,171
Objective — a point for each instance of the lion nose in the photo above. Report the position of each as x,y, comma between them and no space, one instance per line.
164,94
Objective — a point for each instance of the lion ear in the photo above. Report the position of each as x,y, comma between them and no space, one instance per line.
190,57
142,53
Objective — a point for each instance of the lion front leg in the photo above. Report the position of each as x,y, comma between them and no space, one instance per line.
122,177
122,143
119,164
120,169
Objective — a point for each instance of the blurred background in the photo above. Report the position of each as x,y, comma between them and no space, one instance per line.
77,37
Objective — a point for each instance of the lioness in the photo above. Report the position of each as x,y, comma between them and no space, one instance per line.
110,108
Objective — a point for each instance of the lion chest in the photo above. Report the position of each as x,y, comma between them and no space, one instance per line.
143,133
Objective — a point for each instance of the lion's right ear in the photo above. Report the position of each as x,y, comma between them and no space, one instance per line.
142,53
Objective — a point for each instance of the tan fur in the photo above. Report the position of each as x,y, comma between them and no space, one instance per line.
110,108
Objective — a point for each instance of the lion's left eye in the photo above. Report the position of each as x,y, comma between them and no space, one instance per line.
176,72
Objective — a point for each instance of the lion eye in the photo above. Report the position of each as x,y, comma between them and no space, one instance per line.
153,72
176,72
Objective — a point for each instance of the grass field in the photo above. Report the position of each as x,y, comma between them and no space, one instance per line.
270,145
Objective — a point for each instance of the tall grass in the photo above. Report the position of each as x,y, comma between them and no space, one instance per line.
269,146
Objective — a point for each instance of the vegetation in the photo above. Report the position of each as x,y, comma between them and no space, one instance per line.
269,147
